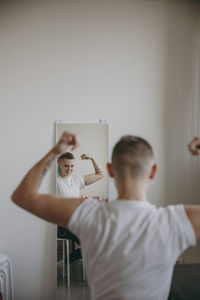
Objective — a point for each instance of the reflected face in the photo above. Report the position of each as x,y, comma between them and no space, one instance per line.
66,166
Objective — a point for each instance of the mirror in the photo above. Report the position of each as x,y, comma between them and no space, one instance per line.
80,173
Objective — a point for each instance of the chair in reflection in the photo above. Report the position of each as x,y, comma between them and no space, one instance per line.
65,255
68,238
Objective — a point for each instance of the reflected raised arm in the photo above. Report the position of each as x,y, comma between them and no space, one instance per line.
91,178
52,208
194,146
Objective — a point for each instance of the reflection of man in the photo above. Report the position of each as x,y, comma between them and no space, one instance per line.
69,186
129,245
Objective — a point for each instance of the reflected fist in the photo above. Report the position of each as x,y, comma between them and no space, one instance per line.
67,140
85,156
194,146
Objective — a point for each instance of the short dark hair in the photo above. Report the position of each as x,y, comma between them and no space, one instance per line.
132,155
67,155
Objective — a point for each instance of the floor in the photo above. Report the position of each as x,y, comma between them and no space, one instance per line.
74,292
185,284
78,289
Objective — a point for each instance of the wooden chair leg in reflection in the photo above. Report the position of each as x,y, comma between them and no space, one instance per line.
66,258
83,268
68,262
63,258
65,250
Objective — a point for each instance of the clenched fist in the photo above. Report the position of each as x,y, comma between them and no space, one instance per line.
194,146
67,140
85,156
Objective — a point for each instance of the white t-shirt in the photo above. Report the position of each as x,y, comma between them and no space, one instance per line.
130,247
69,187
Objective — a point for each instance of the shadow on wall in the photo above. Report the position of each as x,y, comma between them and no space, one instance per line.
182,171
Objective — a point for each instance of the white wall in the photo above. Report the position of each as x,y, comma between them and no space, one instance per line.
131,62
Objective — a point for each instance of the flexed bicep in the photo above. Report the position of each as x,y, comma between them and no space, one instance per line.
91,178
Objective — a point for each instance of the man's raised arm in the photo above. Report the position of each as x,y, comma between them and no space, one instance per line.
91,178
52,208
193,211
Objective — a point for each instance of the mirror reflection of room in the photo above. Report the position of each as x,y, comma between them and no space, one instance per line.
79,173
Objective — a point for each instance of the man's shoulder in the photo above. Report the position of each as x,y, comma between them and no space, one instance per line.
84,216
88,206
171,208
77,178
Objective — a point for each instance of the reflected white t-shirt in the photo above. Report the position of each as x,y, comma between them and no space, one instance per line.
130,247
69,187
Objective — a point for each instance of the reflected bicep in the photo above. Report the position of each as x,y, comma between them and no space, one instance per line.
91,178
193,213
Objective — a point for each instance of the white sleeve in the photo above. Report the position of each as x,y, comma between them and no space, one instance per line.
182,227
83,217
81,182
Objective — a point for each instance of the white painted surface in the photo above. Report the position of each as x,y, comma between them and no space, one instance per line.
131,62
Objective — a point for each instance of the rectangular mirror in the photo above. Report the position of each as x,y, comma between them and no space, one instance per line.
80,173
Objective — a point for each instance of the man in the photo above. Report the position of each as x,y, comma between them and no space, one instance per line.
69,186
129,246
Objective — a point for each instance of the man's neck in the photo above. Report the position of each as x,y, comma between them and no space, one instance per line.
64,176
131,189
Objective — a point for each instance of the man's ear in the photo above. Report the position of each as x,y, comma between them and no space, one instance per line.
110,169
153,171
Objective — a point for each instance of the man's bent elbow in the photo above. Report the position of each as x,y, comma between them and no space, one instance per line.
17,199
14,197
20,198
101,175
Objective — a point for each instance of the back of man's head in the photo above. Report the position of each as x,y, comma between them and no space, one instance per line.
132,156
